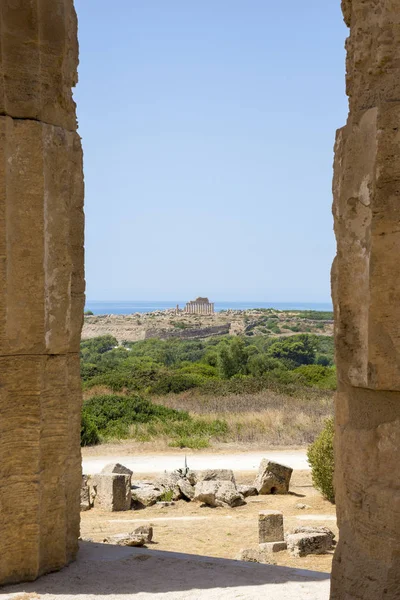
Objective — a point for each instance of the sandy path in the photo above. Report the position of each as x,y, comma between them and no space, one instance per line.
245,461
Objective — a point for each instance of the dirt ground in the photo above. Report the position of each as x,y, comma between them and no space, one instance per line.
221,532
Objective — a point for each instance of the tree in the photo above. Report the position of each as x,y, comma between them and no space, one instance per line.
299,349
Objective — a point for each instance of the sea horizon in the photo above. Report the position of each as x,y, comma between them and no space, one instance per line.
127,307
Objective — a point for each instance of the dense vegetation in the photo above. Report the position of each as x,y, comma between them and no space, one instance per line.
130,388
159,367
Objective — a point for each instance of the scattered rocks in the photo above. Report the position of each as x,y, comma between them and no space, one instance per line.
125,539
300,506
218,493
273,478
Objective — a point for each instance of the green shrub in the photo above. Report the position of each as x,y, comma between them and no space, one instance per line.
89,432
321,458
318,376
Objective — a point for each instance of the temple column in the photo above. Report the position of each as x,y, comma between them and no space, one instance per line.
366,294
42,289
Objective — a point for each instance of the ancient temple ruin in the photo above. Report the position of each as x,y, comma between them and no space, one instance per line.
200,306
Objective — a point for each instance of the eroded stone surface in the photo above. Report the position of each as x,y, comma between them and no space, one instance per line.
42,289
366,294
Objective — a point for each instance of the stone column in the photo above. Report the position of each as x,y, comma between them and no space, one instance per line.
366,294
42,288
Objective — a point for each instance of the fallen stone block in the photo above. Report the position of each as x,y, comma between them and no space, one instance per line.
145,494
302,544
272,547
145,531
125,539
247,490
169,483
256,555
273,478
113,491
187,490
116,468
218,493
270,526
215,475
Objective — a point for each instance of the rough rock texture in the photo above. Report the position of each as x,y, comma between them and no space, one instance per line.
313,542
113,491
270,526
145,493
366,294
247,490
126,539
86,500
117,468
218,493
215,474
146,531
256,555
42,289
273,478
273,547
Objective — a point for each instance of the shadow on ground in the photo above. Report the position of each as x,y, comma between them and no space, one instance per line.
114,572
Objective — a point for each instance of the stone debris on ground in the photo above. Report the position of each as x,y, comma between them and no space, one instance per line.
113,489
308,540
126,539
146,531
247,490
273,547
256,555
218,493
273,478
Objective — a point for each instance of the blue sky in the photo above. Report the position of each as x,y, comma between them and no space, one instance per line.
208,131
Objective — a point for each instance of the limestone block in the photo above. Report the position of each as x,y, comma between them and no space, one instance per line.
125,539
146,531
273,478
116,468
113,491
215,474
256,555
38,62
270,526
247,490
186,489
218,493
367,476
41,238
145,494
273,547
40,464
303,544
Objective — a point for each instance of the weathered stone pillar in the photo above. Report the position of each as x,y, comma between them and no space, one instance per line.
366,293
42,288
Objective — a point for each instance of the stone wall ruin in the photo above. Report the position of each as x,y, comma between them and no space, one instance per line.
366,294
42,288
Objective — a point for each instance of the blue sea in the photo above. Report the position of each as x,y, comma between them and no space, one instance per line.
127,308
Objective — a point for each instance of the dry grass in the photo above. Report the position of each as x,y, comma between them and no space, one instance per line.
265,417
